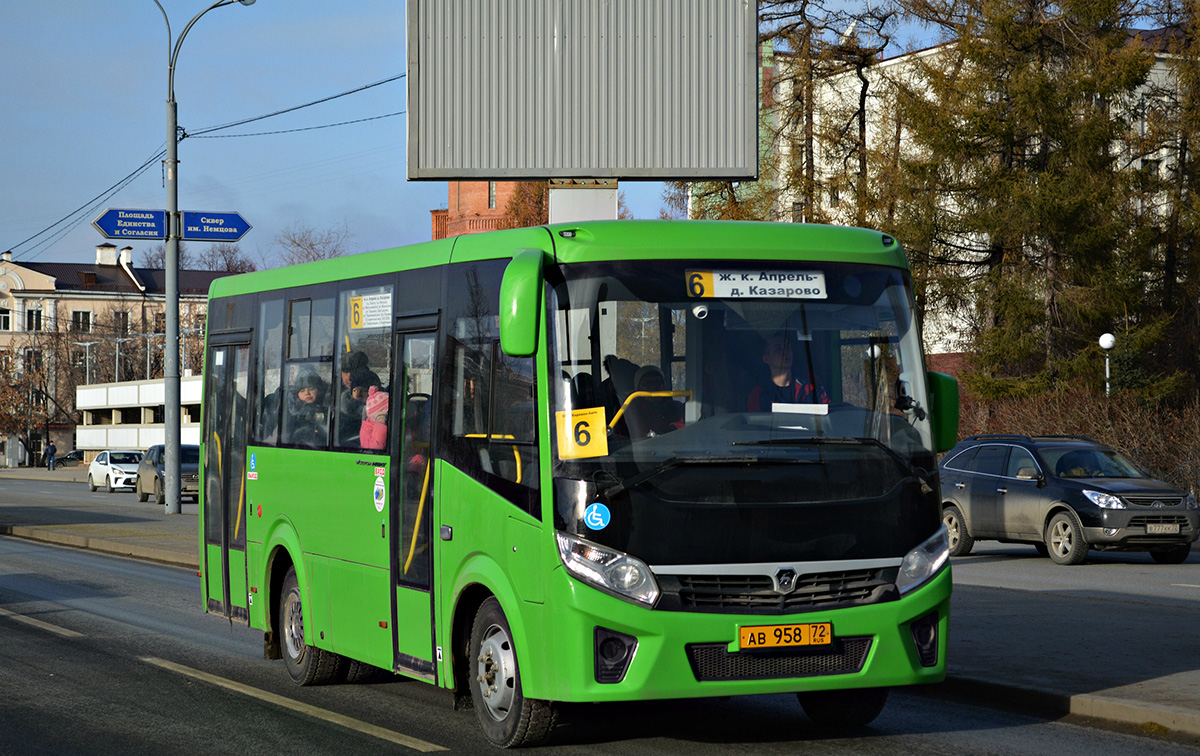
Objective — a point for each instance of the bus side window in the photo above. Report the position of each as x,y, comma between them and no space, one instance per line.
492,434
268,367
513,434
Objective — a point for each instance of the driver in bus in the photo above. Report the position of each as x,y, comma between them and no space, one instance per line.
784,386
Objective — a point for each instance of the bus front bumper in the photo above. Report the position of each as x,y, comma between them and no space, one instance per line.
689,654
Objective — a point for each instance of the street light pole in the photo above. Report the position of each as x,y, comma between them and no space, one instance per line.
171,396
1107,342
117,365
87,359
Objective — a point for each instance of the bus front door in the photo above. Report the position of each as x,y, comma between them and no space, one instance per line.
227,380
412,478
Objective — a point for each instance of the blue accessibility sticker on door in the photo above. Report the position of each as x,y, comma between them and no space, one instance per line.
597,516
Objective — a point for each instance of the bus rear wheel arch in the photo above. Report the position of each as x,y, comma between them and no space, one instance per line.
508,719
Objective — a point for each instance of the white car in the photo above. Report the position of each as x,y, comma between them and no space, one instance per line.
115,468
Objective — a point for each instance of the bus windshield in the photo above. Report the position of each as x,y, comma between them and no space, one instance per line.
740,412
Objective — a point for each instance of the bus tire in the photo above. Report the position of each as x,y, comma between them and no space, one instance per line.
361,673
507,718
961,541
843,709
306,665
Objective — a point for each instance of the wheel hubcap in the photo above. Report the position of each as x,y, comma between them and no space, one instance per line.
293,626
951,523
495,670
1060,538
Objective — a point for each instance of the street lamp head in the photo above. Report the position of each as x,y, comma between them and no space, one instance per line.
1108,341
246,2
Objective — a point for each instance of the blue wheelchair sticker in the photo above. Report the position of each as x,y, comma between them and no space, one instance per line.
253,462
597,516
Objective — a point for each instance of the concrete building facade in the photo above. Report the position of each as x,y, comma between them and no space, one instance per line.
66,325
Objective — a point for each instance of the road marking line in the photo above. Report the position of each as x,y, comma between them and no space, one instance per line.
287,703
64,632
1184,585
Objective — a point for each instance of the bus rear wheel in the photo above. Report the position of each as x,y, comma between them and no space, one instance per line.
507,718
306,665
843,709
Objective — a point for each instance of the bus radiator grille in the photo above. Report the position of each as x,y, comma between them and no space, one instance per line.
713,661
756,594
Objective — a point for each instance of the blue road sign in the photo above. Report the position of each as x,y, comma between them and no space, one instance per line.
132,224
213,227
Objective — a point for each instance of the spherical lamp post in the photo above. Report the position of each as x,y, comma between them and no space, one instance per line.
1107,342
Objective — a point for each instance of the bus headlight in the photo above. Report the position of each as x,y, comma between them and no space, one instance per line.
607,569
924,561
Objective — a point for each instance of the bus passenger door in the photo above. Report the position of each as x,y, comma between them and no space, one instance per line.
227,379
412,487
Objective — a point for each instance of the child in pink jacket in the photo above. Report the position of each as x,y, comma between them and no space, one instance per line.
374,431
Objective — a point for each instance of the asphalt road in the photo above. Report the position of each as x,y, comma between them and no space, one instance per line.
109,655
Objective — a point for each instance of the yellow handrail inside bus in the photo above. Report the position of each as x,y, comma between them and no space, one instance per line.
637,394
412,546
508,436
241,508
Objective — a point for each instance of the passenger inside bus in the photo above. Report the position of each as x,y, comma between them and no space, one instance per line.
308,420
373,432
788,381
349,406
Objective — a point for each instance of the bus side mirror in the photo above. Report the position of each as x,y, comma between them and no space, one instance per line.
520,303
943,417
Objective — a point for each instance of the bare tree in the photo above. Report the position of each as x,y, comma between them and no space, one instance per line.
300,244
156,257
226,257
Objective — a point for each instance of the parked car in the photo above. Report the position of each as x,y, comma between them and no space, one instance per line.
114,468
1063,494
74,457
150,473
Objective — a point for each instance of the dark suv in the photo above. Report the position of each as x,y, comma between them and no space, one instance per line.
1064,495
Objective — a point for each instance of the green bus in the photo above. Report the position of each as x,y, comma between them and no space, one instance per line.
604,461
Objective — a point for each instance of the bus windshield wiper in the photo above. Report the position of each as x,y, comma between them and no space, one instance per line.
904,463
636,480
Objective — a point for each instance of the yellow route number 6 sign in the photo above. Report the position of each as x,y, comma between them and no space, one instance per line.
582,433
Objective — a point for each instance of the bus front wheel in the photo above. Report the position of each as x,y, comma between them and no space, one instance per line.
843,709
507,718
306,665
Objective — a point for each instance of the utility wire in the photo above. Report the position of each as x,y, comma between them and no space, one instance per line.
290,131
98,198
299,107
77,215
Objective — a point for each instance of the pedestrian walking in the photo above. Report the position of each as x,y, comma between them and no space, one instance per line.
51,450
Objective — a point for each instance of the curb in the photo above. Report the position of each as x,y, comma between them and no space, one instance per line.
149,553
1111,709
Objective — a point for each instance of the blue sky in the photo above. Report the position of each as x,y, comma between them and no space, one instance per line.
83,90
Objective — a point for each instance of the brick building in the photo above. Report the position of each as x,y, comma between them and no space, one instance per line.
472,207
